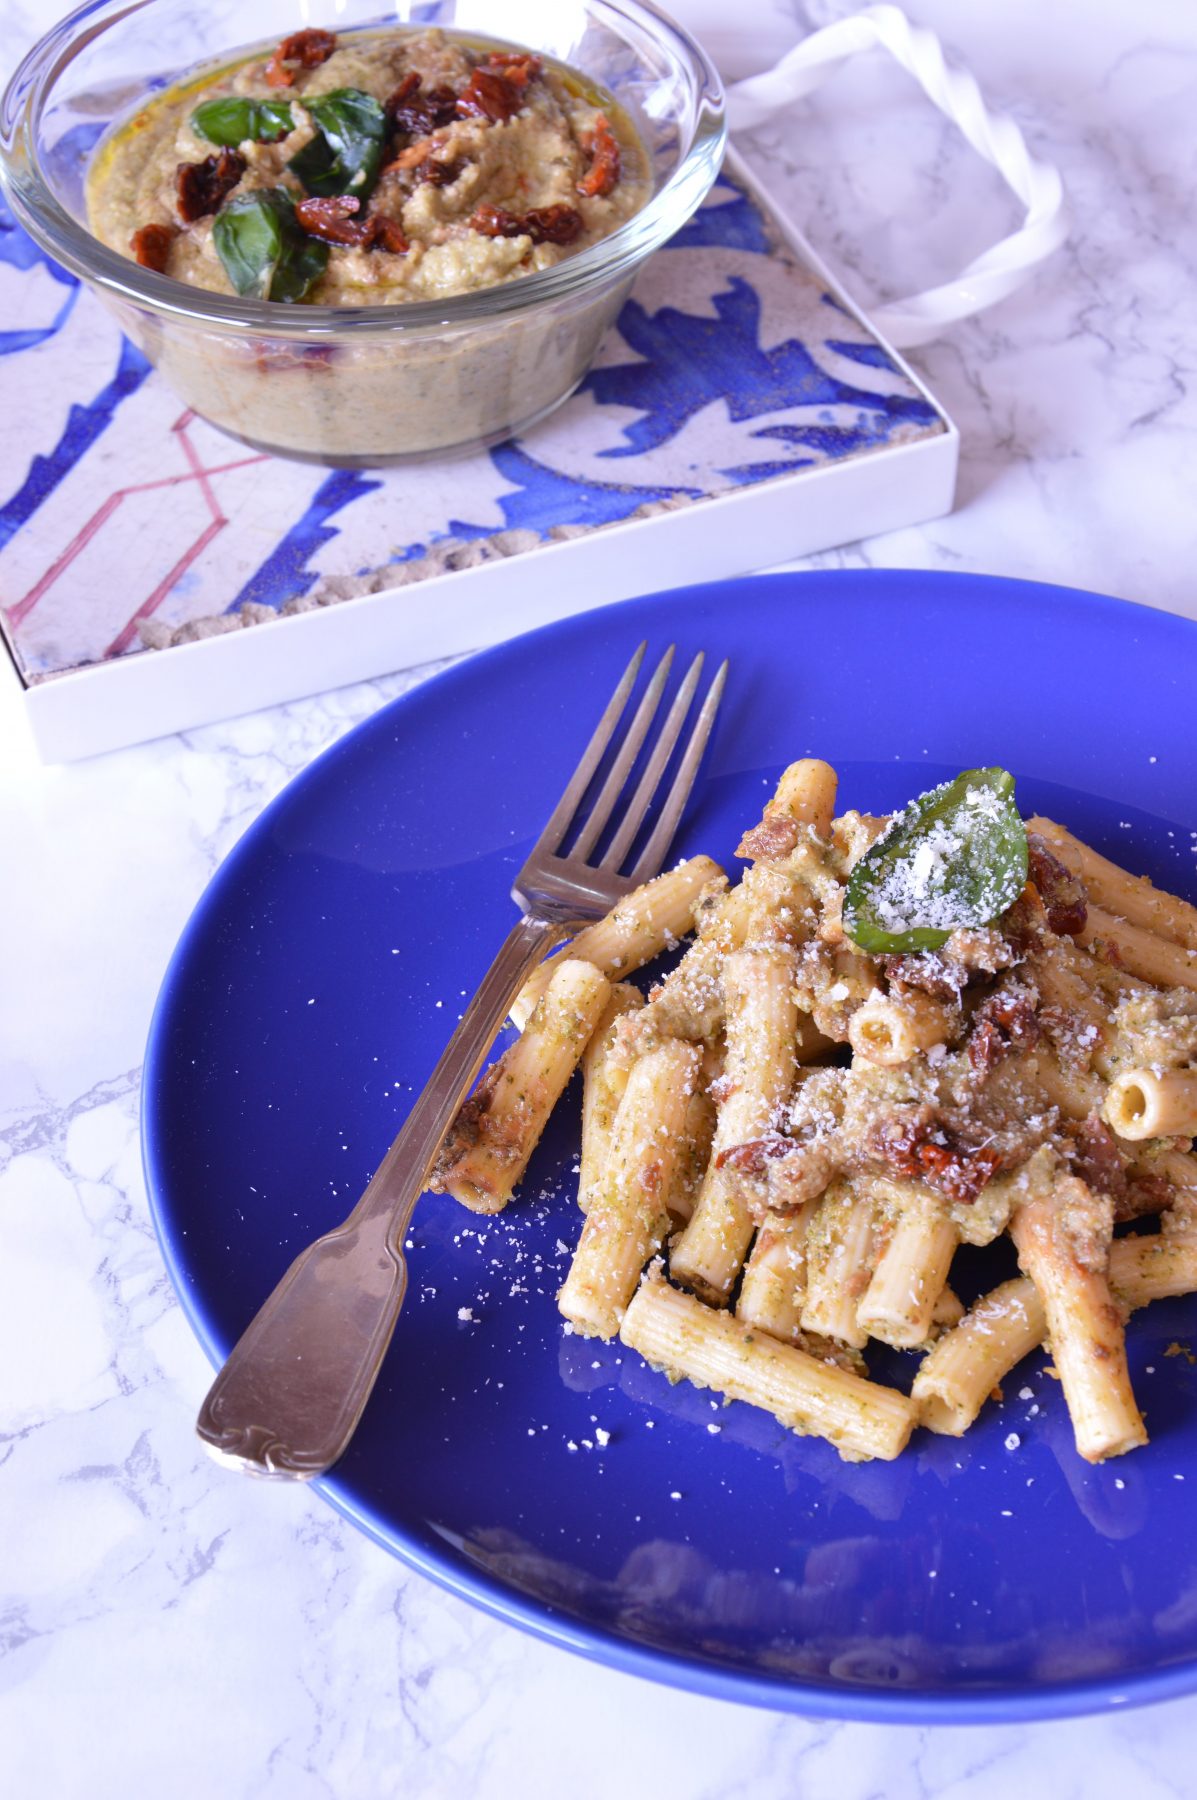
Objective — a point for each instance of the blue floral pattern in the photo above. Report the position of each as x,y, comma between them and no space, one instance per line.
730,365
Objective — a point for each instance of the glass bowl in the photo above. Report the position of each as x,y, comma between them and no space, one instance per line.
358,386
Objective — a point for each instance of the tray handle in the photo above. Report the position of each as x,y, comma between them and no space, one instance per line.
999,270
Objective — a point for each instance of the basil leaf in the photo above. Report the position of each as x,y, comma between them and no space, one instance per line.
346,154
230,121
956,856
265,252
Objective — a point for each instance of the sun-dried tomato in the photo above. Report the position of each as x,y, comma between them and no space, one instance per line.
986,1046
1095,1156
489,96
904,1141
1144,1194
387,234
437,174
754,1157
417,113
554,224
931,973
775,836
543,224
517,66
603,150
302,50
957,1172
493,221
332,221
1062,893
410,85
151,244
1004,1022
203,187
896,1139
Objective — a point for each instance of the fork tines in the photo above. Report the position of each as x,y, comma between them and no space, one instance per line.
636,809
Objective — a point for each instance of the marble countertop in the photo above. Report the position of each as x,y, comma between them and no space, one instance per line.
167,1627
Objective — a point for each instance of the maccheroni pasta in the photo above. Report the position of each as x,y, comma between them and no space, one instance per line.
891,1037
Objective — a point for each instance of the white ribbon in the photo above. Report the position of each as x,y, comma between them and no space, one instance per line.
998,271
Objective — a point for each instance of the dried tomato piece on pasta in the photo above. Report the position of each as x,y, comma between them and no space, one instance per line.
203,187
410,85
302,50
151,244
958,1172
1004,1022
602,148
905,1142
1062,893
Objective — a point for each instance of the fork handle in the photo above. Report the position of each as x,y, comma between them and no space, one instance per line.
287,1401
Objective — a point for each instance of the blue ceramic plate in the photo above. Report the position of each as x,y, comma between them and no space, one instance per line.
994,1577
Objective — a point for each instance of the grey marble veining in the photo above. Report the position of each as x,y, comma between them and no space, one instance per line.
167,1628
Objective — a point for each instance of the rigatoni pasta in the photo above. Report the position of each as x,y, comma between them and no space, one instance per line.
604,1078
762,1025
711,1348
643,924
497,1130
898,1305
629,1215
773,1286
1063,1241
890,1037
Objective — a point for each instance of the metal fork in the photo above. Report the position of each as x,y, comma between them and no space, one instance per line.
288,1400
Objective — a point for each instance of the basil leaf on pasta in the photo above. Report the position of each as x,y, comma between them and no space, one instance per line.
956,856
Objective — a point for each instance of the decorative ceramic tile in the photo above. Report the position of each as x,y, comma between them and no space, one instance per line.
126,521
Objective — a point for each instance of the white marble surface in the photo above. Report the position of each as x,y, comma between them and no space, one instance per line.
168,1628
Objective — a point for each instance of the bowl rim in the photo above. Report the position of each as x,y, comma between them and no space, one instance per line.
600,265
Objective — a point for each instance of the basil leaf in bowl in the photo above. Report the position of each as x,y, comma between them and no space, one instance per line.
956,856
231,120
345,155
265,252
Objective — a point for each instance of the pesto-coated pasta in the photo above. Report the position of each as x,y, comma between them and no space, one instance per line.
801,1132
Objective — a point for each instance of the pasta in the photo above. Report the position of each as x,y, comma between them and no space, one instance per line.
1153,1103
643,924
773,1287
1063,1241
762,1020
604,1079
628,1215
911,1273
837,1084
708,1346
497,1130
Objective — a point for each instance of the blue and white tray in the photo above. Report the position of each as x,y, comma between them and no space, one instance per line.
742,413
